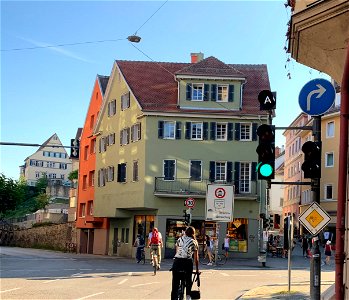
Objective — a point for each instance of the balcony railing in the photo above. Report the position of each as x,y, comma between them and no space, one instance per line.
185,186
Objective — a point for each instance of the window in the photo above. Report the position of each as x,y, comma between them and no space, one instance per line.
135,171
82,210
93,146
330,129
63,166
220,171
125,101
328,192
84,182
52,175
245,177
329,159
196,130
46,153
37,174
90,208
50,164
86,153
169,130
62,176
112,108
101,177
63,155
222,93
91,178
169,170
135,132
103,144
110,173
197,92
221,131
124,136
245,132
92,121
195,167
111,139
121,172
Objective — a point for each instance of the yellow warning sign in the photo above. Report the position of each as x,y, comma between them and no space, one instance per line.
237,223
314,218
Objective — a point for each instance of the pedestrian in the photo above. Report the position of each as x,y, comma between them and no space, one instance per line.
140,244
186,251
208,249
226,244
328,252
304,245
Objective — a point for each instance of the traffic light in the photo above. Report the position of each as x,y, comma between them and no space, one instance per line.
312,159
187,216
75,146
271,221
266,152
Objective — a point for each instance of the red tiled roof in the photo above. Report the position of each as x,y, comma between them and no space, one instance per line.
155,88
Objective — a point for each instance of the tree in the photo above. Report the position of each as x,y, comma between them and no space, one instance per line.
73,175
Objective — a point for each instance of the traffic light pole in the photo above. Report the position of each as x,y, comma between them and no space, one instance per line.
315,262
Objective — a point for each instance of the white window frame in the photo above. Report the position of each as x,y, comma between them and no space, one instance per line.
169,130
196,131
222,172
330,129
197,87
125,101
246,128
124,137
110,173
135,132
220,92
221,134
325,191
245,177
327,154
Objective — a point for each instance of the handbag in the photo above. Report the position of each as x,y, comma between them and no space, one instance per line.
195,294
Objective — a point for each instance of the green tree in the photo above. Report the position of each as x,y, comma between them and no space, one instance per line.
73,175
41,201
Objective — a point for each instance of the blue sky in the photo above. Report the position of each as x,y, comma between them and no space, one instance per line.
46,91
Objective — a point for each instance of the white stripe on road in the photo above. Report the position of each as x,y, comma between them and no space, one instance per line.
9,290
142,284
49,281
123,281
129,273
225,274
89,296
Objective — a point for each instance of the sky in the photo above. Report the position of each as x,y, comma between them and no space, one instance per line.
47,89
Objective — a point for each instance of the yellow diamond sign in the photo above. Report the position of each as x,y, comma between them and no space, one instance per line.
237,223
314,218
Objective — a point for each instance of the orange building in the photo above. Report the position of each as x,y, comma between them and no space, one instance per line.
92,232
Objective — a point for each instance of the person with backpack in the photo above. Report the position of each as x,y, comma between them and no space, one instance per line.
140,244
155,242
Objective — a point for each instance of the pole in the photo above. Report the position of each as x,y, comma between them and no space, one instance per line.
315,261
342,181
216,243
290,246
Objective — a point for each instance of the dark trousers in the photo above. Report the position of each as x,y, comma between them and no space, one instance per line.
139,253
181,264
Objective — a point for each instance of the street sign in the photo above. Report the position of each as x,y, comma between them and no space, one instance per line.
316,97
314,218
219,202
190,202
267,100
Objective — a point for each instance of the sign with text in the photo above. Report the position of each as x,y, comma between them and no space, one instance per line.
219,203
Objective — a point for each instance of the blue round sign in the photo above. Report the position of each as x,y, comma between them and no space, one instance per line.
316,97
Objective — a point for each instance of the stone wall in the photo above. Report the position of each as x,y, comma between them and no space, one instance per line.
61,237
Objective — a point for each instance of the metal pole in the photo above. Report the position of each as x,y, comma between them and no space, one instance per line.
315,261
290,245
216,243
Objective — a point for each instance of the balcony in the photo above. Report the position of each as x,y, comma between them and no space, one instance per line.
182,187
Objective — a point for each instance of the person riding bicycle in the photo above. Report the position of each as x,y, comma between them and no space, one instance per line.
155,242
140,244
186,251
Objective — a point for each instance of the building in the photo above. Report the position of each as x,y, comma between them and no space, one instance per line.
91,231
179,127
50,160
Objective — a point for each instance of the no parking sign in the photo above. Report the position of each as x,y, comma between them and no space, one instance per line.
219,202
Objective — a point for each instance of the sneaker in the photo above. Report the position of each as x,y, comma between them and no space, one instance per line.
158,267
138,261
209,264
188,297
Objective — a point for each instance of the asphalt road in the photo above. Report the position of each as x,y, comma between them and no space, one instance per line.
40,274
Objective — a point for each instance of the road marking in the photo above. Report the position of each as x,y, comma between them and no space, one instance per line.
9,290
69,269
142,284
49,281
224,274
85,269
129,273
75,274
89,296
123,281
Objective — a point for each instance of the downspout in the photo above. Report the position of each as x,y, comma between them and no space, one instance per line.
342,182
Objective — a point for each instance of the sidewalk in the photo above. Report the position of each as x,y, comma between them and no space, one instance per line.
298,291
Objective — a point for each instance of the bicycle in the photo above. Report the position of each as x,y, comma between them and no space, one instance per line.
142,260
182,283
221,258
154,258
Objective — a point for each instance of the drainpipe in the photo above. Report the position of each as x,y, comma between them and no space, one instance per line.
342,179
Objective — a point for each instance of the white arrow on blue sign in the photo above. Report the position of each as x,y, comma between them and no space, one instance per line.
316,97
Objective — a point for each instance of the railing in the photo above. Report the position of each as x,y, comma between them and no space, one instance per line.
185,186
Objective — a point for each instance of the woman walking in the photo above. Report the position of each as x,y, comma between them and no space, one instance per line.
328,252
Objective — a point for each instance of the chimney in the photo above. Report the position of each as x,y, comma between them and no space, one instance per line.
196,57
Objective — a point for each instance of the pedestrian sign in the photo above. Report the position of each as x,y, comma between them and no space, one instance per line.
314,218
316,97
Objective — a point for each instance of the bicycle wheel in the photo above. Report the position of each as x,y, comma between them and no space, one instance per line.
143,258
221,259
155,263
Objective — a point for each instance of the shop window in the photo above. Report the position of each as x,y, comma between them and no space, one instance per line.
143,225
237,231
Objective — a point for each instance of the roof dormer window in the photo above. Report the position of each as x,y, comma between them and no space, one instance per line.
197,92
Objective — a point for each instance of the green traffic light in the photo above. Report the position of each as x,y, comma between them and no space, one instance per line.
266,170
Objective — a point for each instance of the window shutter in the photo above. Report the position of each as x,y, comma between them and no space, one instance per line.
120,137
213,131
253,171
178,130
214,92
206,92
128,135
231,93
132,133
108,109
237,131
119,173
188,91
139,131
237,176
230,131
212,171
100,145
123,172
161,129
254,131
187,130
205,129
229,171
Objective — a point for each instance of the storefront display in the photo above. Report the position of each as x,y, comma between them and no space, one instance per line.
237,231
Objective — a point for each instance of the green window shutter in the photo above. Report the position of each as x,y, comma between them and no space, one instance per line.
237,176
213,92
237,131
253,171
254,131
178,130
231,93
205,129
206,92
187,130
212,171
229,171
161,129
230,131
188,91
213,131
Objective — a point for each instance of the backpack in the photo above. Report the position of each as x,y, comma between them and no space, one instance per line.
141,242
155,238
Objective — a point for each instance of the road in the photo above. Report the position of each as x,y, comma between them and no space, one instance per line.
41,274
